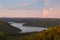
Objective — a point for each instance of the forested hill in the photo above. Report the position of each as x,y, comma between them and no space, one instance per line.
7,28
46,23
52,33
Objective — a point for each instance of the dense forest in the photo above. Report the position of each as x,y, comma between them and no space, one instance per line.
52,33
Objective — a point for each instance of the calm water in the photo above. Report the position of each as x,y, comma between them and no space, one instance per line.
27,28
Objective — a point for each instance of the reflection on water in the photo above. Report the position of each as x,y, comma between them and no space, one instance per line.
27,29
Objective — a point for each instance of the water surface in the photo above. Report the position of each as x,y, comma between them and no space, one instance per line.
27,28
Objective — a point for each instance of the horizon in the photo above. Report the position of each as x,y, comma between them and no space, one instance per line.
32,17
30,8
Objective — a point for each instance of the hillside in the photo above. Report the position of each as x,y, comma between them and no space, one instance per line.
42,23
52,33
5,27
49,34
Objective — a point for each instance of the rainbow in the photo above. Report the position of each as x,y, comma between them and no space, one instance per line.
44,9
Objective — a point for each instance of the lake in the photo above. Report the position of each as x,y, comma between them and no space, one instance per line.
27,28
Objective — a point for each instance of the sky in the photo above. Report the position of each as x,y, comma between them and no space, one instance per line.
30,8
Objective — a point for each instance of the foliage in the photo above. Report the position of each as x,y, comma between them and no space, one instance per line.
49,34
2,36
52,33
7,28
42,23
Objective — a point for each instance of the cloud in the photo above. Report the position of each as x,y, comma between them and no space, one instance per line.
1,6
24,4
52,12
7,12
35,0
20,13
